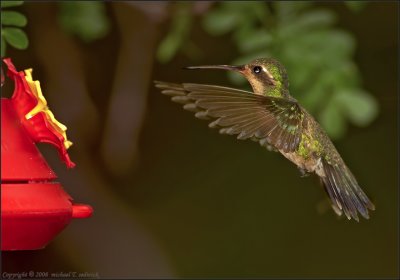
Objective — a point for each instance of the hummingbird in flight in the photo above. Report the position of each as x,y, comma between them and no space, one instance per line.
271,116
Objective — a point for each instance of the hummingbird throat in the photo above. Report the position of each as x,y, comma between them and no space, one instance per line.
275,90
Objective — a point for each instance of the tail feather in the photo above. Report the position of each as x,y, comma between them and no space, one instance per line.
346,195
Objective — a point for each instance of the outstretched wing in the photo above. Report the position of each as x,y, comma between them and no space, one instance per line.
346,195
270,120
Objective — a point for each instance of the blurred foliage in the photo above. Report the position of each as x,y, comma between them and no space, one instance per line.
178,35
87,20
355,6
11,33
318,56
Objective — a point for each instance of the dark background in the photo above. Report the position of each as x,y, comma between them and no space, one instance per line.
173,198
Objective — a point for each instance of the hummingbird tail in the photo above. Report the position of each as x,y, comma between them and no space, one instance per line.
346,195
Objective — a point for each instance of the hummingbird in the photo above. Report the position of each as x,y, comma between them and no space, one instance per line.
271,116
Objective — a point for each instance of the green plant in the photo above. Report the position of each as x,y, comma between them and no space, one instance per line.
11,23
317,55
87,20
178,35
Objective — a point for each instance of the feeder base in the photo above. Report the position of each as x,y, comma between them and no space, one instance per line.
32,215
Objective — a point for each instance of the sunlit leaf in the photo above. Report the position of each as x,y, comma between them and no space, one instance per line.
301,77
317,19
15,37
348,75
6,4
332,120
243,6
179,31
168,47
13,18
248,12
255,41
242,31
258,8
330,46
88,20
219,22
360,107
339,43
355,6
287,9
319,86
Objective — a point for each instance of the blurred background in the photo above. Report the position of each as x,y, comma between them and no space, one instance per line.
173,198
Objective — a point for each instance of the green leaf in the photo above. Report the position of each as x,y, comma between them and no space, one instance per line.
332,120
6,4
219,22
255,40
359,106
168,48
180,28
286,10
338,43
257,8
327,46
13,18
3,47
242,32
246,11
15,37
243,6
355,6
316,89
316,19
347,75
87,20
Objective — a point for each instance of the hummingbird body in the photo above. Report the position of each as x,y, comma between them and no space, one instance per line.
272,117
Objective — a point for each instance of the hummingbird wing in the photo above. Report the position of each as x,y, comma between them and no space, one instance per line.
269,120
346,195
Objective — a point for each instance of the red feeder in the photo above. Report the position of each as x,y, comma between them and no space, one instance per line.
34,208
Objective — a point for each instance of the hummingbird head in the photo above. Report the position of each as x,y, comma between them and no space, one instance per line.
267,76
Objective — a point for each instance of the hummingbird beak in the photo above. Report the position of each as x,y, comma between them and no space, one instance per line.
239,68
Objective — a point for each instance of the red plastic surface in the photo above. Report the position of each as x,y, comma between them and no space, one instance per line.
81,211
20,158
34,208
38,122
33,214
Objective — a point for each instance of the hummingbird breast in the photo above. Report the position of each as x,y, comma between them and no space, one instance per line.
310,164
310,150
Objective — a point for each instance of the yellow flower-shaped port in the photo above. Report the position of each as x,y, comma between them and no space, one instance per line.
34,113
41,106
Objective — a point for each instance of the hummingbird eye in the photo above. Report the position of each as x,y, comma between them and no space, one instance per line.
257,69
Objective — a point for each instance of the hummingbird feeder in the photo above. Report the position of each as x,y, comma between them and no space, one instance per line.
34,206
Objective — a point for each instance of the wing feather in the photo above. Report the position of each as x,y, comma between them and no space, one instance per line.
269,120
